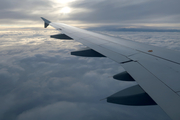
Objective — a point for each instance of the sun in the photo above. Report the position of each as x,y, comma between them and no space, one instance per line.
65,10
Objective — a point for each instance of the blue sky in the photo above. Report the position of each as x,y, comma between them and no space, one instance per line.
39,78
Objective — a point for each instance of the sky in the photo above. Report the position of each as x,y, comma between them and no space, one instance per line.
159,14
39,78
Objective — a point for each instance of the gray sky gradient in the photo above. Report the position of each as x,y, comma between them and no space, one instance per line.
86,13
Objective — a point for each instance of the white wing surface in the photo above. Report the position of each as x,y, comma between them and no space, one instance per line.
156,70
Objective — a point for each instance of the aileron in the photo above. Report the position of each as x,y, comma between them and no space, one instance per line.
165,97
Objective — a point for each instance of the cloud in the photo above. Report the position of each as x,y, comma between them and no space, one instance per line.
124,12
161,13
23,12
78,111
41,80
169,40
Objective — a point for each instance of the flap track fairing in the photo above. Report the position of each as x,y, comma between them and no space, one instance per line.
61,36
87,52
134,96
124,76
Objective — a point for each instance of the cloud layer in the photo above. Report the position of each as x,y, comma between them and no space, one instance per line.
41,80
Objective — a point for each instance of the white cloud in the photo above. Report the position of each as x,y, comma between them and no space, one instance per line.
42,80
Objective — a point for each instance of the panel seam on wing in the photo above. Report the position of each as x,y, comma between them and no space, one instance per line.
156,77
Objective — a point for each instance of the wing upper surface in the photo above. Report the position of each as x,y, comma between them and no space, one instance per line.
156,51
156,70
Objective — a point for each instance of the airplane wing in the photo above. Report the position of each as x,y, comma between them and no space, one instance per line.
156,70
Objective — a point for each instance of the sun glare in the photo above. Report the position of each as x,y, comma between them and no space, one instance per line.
65,10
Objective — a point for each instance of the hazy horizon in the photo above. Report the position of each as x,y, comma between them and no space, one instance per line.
40,80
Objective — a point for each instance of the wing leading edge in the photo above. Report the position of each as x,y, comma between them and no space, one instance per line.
156,70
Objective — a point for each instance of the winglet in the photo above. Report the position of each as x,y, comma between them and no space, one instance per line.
46,22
